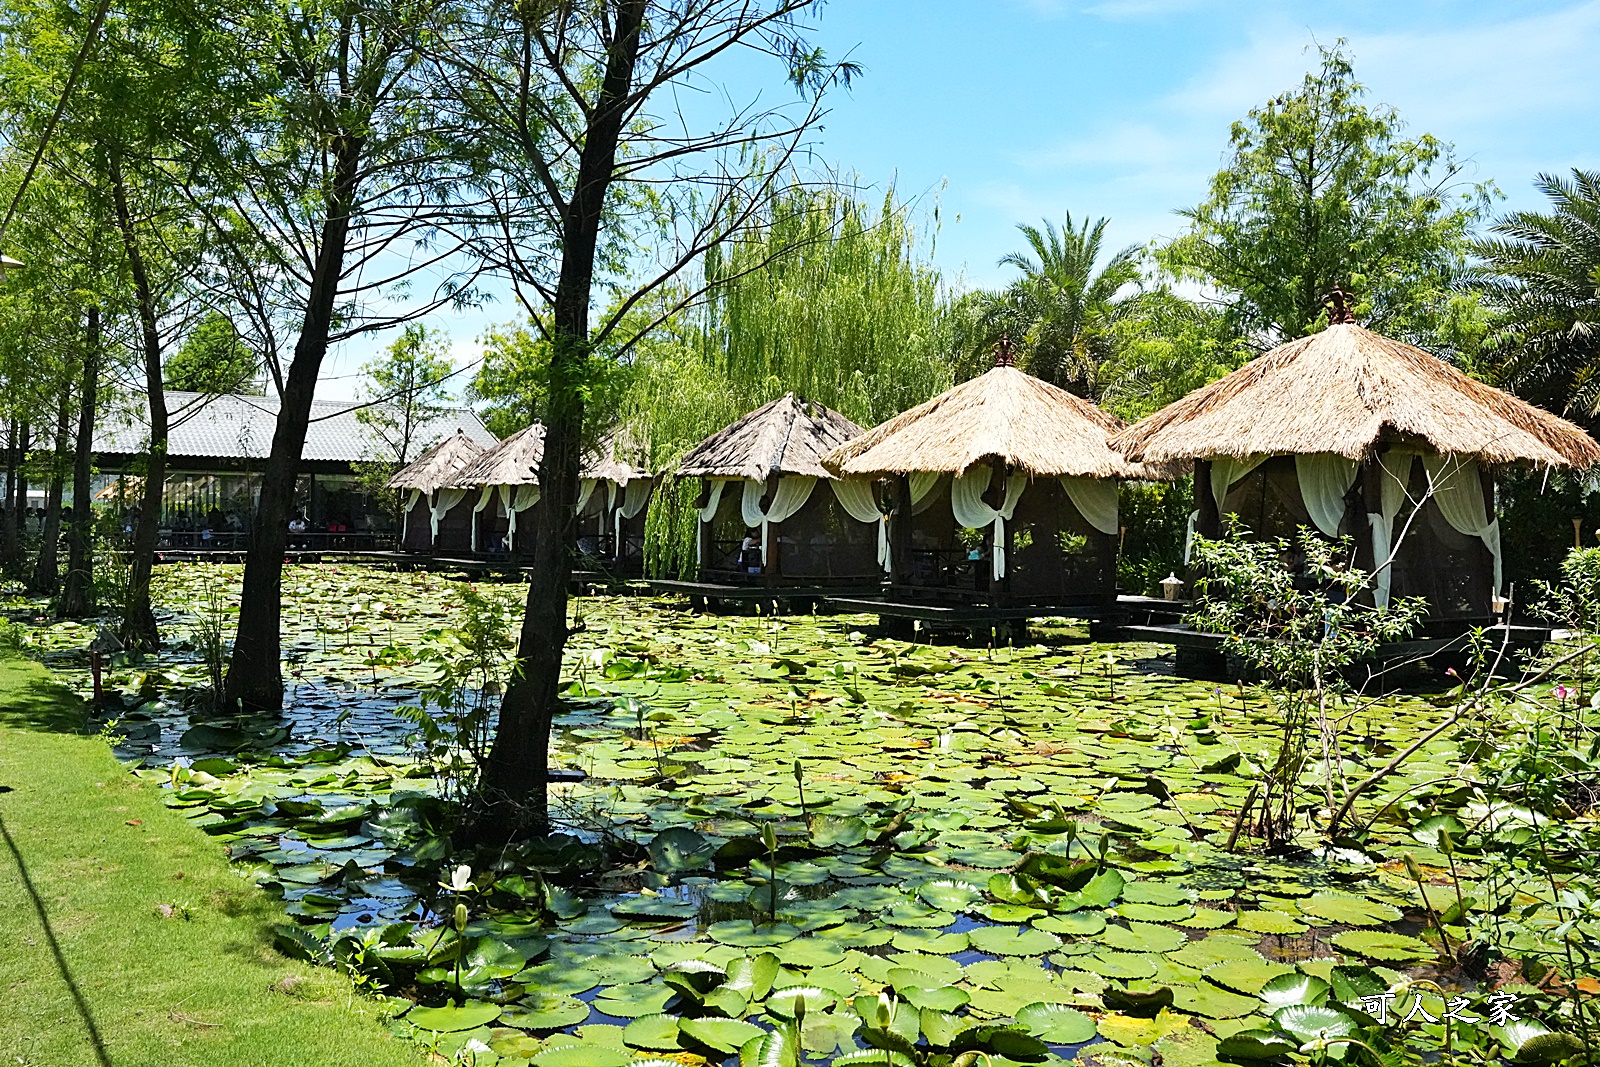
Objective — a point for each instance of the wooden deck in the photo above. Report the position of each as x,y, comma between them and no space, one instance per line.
785,598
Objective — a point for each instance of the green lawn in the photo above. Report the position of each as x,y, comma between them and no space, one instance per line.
90,970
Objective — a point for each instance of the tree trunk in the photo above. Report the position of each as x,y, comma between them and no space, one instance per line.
255,672
19,507
77,595
139,620
9,522
517,774
46,569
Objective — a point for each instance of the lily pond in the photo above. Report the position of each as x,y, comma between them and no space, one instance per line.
795,840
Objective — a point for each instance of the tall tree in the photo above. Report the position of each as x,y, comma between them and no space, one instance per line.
1322,189
566,96
336,177
407,389
1539,275
1064,310
214,358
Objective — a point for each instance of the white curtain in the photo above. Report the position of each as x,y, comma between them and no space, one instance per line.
405,516
792,493
1325,478
855,495
483,502
516,498
922,485
1458,491
1225,470
1394,473
966,501
708,513
1096,500
585,491
443,501
635,494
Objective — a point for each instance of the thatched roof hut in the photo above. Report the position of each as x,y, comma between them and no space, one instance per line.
772,459
1027,424
513,462
438,466
1346,391
788,436
1344,431
1005,491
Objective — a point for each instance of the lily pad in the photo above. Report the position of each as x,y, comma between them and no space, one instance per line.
1056,1023
653,1032
723,1035
1347,909
453,1018
1004,941
1379,945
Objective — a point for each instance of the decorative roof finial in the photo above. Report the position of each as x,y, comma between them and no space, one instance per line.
1340,305
1004,352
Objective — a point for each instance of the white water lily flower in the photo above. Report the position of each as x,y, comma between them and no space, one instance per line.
461,878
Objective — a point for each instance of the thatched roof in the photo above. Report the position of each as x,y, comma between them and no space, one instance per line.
514,461
1005,414
788,436
1346,390
618,457
438,467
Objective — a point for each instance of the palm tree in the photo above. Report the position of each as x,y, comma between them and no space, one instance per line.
1540,277
1061,313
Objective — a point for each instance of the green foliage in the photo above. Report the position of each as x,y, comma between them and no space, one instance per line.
1537,276
1322,189
1064,315
1290,613
512,384
468,665
826,297
1166,347
1536,509
214,359
1156,517
408,387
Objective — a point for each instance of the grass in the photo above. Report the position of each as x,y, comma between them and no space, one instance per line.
91,972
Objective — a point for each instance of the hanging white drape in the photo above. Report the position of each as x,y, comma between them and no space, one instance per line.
792,493
1096,500
1225,470
1394,473
483,502
515,499
1458,491
966,501
1325,478
585,491
708,513
443,501
635,494
855,495
405,516
922,484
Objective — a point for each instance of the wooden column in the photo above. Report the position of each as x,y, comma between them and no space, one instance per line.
1209,523
899,528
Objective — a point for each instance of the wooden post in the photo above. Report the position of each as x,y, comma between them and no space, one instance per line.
899,528
1209,522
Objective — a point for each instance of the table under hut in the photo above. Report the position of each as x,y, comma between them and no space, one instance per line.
1003,501
1348,433
772,519
433,491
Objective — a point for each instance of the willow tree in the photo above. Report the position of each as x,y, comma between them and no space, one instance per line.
829,296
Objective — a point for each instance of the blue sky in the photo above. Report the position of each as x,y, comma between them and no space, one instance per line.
1005,111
